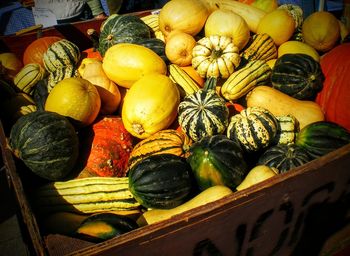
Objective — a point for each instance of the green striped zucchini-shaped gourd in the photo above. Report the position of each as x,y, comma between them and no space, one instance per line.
168,141
60,54
260,47
28,76
85,195
59,74
203,113
254,127
242,81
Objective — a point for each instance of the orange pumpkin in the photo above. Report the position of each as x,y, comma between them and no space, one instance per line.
35,50
108,147
91,53
334,98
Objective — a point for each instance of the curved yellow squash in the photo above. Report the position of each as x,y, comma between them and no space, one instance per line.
150,105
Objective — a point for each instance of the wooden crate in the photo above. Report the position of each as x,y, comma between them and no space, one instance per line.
290,214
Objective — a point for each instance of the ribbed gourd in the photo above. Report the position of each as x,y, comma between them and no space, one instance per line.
297,75
203,113
217,160
242,81
60,54
47,144
284,157
260,47
121,29
254,127
28,76
166,141
215,56
161,181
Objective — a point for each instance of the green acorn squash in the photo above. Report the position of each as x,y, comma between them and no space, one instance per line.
46,142
297,75
284,157
217,160
320,138
121,29
161,181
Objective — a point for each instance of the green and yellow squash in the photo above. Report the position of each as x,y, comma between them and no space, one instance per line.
254,127
217,160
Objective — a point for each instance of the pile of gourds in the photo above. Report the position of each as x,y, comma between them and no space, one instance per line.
161,139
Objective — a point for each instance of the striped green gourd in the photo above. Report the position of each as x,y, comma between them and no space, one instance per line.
121,29
59,74
161,181
203,113
284,157
254,127
60,54
47,144
28,76
85,195
242,81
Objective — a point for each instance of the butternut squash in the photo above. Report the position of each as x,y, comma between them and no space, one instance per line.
279,104
209,195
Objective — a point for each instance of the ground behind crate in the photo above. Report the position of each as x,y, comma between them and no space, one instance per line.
11,242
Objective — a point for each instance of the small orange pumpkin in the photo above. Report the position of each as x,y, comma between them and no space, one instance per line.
109,146
35,50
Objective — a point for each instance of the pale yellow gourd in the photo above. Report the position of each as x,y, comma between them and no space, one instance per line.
257,174
280,104
228,23
211,194
92,71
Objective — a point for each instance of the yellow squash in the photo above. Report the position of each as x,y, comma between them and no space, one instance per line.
150,105
125,63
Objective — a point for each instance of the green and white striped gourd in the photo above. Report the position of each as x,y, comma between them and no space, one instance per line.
60,54
28,76
59,74
203,113
254,127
